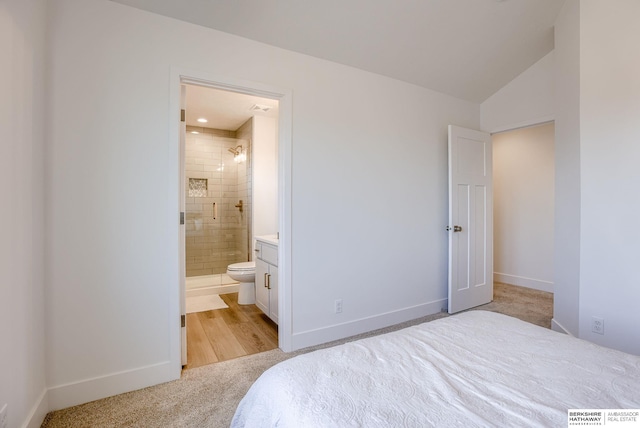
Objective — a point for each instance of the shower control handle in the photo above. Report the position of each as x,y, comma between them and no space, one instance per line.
239,205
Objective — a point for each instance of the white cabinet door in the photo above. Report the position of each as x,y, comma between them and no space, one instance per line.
267,280
262,292
273,292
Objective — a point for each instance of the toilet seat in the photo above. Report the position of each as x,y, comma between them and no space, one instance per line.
242,267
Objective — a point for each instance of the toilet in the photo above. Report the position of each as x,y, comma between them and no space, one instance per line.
245,274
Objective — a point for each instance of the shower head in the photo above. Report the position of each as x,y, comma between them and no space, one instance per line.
238,154
236,151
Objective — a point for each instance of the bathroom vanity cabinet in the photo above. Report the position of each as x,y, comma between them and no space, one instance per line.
267,279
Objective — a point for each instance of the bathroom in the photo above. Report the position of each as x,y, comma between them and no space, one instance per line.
230,168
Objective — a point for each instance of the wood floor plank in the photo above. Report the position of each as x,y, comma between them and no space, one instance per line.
267,327
199,349
215,313
222,340
234,314
251,338
249,309
223,334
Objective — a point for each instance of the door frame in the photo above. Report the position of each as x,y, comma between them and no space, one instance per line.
178,77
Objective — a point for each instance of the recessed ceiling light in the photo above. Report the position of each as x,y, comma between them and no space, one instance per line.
195,132
202,120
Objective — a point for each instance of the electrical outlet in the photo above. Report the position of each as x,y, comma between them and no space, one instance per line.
338,306
3,417
597,325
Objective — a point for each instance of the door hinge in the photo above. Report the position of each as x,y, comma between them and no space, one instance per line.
182,218
183,115
183,320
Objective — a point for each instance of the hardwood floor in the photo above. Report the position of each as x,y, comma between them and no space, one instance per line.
224,334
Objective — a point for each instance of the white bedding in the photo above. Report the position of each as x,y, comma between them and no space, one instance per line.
473,369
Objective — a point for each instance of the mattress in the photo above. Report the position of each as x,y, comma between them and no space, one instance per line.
473,369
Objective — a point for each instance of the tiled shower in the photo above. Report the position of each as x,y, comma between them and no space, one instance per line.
216,180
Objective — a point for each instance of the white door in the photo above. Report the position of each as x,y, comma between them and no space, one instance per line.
470,219
181,244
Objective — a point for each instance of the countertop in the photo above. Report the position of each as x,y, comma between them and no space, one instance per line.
269,239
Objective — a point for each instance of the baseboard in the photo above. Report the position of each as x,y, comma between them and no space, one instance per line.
363,325
87,390
556,326
38,412
536,284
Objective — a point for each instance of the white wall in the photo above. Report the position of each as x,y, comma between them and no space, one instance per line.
596,103
550,89
22,346
610,153
264,164
567,241
523,206
523,248
368,197
526,100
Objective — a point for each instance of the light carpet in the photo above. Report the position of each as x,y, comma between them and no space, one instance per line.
208,302
207,396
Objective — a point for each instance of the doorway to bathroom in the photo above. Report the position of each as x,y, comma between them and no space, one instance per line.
225,137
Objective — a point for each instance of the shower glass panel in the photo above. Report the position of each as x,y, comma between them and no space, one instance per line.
217,179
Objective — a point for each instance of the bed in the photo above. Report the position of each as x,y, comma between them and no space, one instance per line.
477,368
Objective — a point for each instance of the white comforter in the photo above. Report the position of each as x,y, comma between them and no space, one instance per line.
473,369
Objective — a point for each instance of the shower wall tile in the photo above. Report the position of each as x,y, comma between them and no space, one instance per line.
212,244
213,168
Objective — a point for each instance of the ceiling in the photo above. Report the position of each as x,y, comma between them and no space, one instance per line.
223,109
465,48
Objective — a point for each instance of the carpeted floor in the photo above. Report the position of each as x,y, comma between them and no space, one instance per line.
207,396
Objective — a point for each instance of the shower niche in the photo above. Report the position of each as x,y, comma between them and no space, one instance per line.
198,188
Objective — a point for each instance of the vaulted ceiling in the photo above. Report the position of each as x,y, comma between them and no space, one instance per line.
465,48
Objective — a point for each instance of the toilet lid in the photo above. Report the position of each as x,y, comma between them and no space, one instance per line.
242,266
